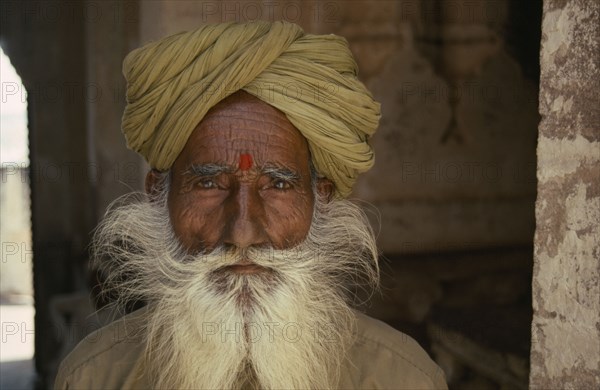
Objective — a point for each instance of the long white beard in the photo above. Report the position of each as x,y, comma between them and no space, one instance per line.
289,328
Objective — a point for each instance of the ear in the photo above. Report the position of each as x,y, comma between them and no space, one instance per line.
325,189
152,184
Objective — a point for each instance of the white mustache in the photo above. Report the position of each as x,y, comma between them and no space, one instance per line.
266,257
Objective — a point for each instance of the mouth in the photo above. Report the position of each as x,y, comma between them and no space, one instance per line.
244,267
224,277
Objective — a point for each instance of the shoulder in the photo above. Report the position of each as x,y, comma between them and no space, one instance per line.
382,357
109,354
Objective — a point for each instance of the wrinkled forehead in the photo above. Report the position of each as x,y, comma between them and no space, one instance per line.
242,128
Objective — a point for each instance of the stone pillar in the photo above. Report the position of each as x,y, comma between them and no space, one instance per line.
565,348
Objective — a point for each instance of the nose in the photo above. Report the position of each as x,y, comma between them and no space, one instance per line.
246,219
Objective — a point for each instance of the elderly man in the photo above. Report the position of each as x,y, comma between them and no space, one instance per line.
244,249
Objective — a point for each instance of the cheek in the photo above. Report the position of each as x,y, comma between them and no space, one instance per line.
289,222
195,225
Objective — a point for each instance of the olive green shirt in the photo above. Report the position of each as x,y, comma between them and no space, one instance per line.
380,358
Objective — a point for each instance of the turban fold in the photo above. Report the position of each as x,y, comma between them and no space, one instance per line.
312,79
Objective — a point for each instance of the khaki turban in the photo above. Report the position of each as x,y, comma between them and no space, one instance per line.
172,83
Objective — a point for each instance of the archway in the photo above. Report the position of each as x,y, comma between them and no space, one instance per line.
16,278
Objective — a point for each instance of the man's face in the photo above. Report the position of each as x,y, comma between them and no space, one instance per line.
240,197
242,180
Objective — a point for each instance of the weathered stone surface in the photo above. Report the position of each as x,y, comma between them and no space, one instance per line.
565,351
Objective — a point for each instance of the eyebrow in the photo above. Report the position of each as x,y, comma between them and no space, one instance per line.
280,173
214,169
208,169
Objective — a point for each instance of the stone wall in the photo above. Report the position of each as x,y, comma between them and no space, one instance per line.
455,149
565,351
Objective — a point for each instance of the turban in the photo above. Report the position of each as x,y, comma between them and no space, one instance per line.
312,79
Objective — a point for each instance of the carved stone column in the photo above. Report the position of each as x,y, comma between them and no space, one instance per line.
565,345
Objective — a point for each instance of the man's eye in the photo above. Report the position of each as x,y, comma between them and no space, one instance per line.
207,184
281,185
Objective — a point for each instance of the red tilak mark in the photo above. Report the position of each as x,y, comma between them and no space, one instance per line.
245,161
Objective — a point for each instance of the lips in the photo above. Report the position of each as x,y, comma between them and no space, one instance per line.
224,277
250,268
245,267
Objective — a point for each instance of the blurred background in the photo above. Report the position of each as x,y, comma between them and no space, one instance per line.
452,194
